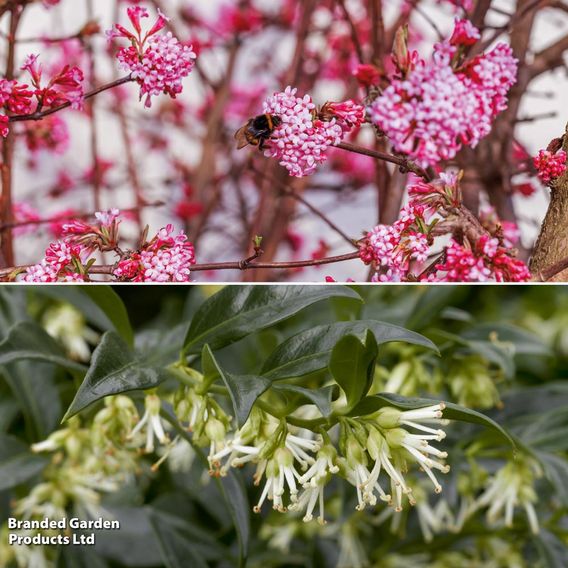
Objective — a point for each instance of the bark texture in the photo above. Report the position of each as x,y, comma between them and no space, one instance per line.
552,244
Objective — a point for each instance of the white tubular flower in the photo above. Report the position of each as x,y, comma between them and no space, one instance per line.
420,451
67,325
310,496
44,500
243,448
300,446
313,481
324,465
510,487
180,455
417,446
358,474
152,422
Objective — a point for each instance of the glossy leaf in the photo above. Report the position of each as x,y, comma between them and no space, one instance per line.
100,305
432,302
524,343
175,545
235,495
36,390
371,404
29,341
243,389
17,463
237,311
320,397
556,471
310,350
352,365
114,369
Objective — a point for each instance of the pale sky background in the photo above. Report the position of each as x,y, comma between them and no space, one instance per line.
354,215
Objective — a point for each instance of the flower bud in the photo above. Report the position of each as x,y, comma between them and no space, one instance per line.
388,417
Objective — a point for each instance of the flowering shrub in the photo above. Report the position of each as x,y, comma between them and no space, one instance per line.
164,258
338,111
235,431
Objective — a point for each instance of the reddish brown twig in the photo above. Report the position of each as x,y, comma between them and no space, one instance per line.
246,264
404,163
42,114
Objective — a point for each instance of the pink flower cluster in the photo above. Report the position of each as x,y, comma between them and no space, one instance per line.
394,246
15,98
166,258
66,86
550,166
436,109
487,262
24,213
50,134
158,62
61,263
301,141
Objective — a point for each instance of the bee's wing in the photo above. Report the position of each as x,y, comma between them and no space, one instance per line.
241,138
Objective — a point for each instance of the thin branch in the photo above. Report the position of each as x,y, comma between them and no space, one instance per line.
353,30
246,264
404,163
56,218
89,95
291,193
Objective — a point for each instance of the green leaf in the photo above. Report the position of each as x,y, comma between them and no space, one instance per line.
352,365
135,544
100,305
114,369
371,404
161,347
310,350
432,302
320,397
176,546
237,311
525,343
35,387
235,495
27,340
113,307
553,552
17,463
243,389
499,355
556,471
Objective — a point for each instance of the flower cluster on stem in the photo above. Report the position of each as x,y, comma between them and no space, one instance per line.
158,62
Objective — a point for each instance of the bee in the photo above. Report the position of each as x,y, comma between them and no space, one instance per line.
257,130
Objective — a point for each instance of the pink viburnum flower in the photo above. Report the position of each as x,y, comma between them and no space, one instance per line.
165,258
302,139
465,33
60,264
550,166
50,134
24,213
15,97
436,109
158,62
488,261
66,86
394,246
